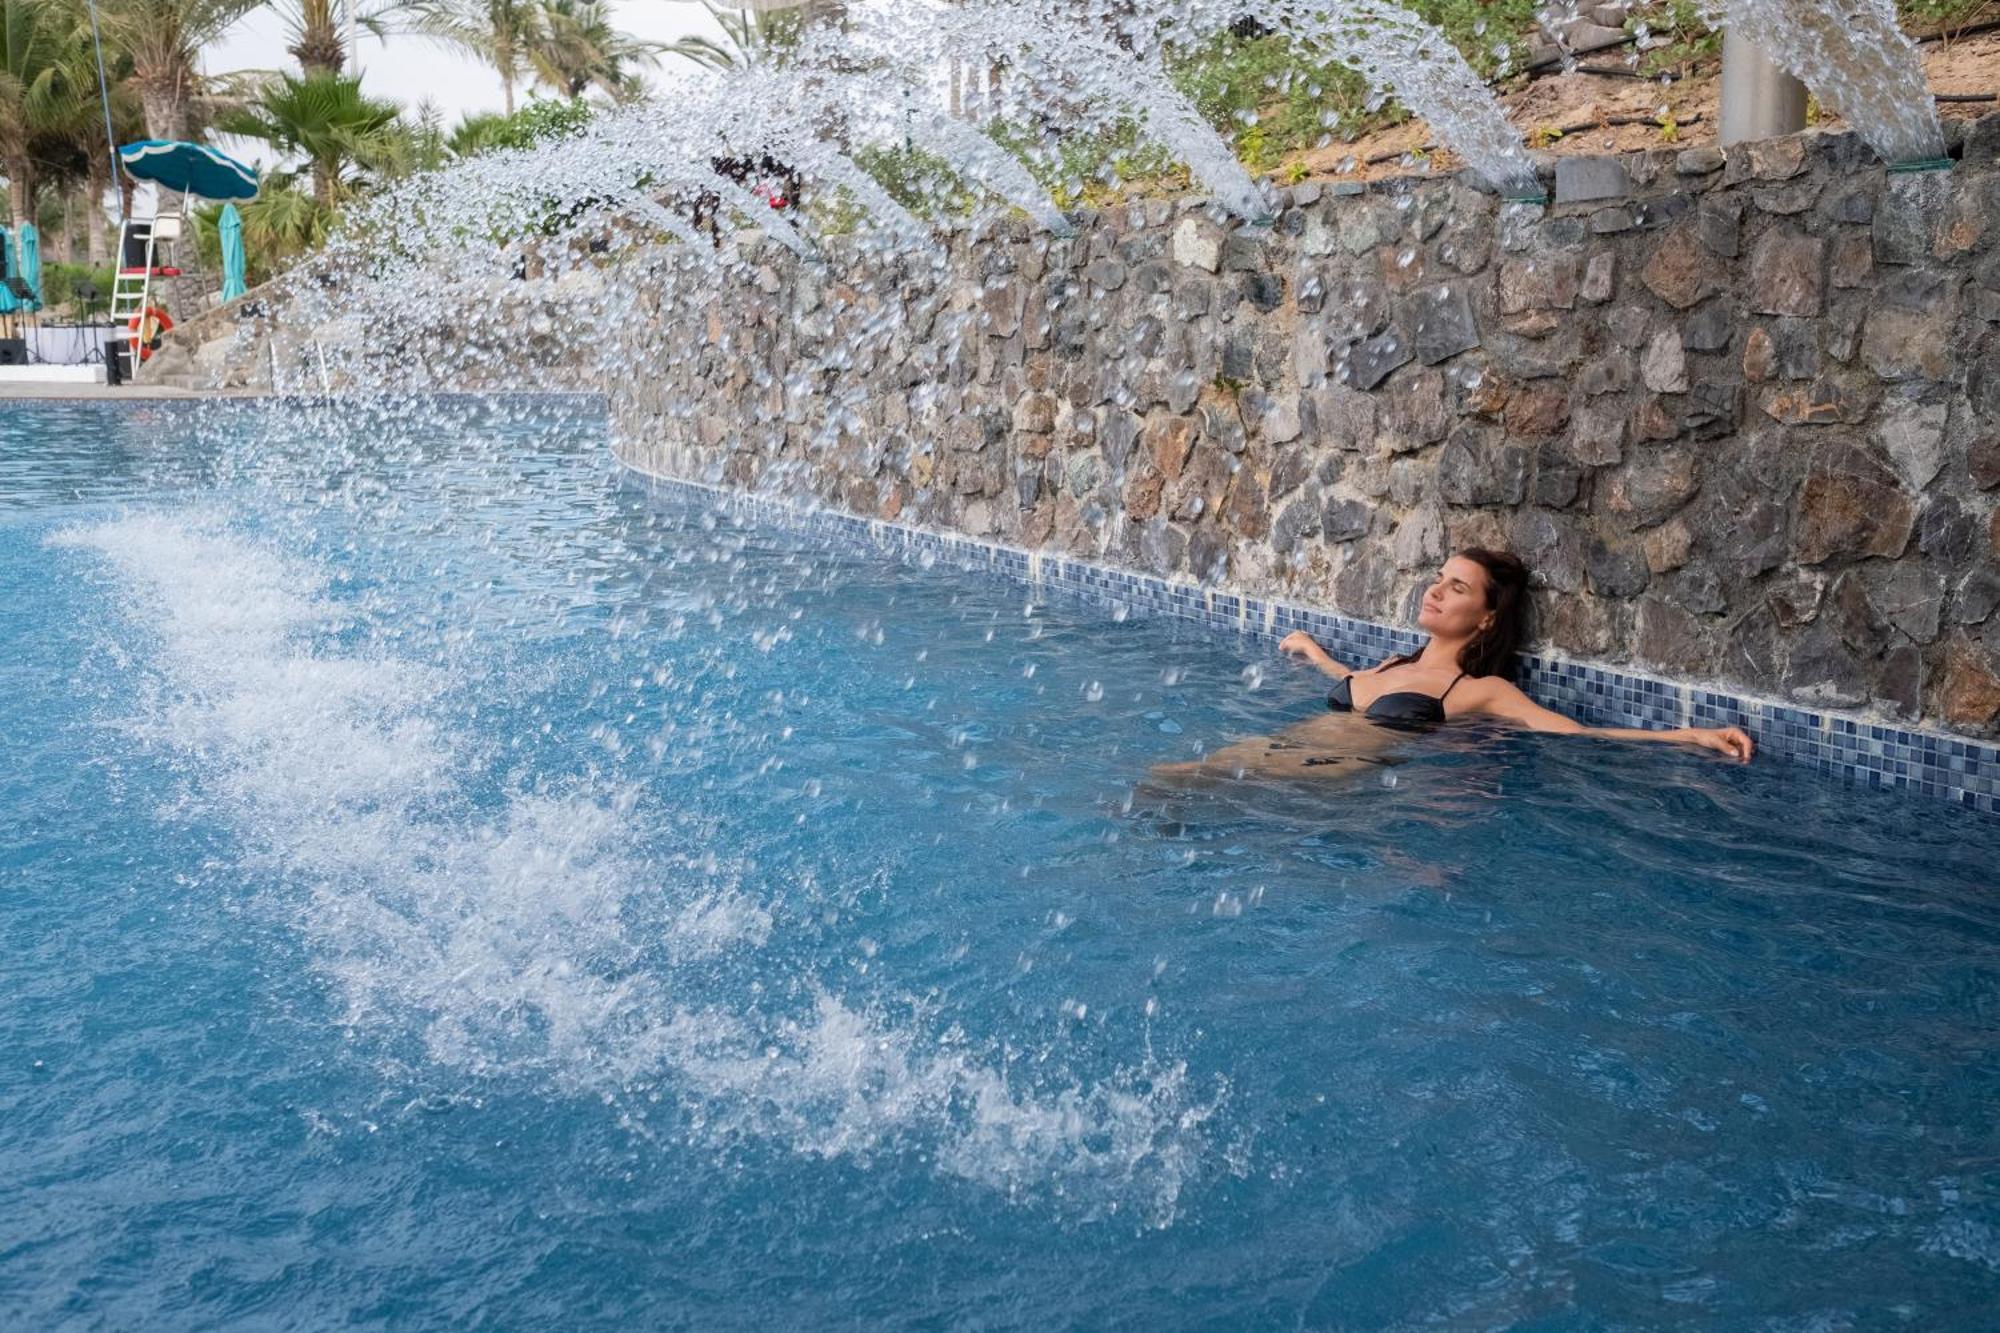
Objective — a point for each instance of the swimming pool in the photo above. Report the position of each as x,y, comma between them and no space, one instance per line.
446,884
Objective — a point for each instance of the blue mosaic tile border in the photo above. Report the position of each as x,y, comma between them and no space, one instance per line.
1846,746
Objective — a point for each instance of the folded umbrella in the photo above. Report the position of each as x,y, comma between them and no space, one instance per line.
229,229
28,263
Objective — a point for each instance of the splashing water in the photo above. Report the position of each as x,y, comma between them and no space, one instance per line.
1857,60
420,270
507,941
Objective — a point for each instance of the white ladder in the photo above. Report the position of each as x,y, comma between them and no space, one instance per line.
132,293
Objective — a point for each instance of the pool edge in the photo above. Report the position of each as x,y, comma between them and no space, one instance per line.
1835,743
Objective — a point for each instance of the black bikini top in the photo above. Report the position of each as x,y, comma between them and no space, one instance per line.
1410,709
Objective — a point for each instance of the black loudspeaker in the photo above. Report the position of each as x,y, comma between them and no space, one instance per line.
13,351
117,356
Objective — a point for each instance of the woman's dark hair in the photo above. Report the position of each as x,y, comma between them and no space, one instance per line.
1490,652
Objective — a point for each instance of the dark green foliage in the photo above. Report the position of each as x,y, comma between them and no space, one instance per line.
920,181
59,284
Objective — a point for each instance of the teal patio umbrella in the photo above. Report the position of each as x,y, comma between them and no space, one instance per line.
229,229
191,168
28,263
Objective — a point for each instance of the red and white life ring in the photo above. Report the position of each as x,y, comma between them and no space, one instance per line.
146,327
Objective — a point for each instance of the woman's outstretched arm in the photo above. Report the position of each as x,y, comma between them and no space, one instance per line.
1301,644
1503,699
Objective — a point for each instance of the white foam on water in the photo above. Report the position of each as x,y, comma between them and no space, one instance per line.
532,940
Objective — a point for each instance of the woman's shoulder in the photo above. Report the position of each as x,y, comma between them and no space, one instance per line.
1489,687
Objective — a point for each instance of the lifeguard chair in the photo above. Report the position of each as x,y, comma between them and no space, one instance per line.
143,256
145,245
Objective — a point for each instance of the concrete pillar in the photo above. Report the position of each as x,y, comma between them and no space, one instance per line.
1759,100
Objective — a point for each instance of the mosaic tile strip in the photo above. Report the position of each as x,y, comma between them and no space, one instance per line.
1839,745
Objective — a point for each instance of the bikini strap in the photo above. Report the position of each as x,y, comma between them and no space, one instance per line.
1449,688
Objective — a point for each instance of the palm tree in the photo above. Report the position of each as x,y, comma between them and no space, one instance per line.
479,132
754,36
82,141
38,96
283,219
312,28
326,120
746,38
578,49
164,39
499,32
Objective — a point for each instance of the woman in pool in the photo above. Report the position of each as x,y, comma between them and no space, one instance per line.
1476,614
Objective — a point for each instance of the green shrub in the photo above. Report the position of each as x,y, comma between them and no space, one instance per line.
59,283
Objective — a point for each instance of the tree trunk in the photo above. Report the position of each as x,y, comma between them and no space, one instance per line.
320,48
507,88
21,176
323,178
62,245
97,244
165,110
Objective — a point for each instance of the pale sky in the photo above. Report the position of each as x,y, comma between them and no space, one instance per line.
408,68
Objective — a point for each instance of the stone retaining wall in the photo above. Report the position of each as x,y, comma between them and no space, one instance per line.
1742,413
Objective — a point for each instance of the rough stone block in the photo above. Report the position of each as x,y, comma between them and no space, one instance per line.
1372,360
1419,539
1664,365
1774,159
1653,486
1821,403
1907,214
1966,216
1680,272
1001,304
1558,478
1198,244
1599,278
1035,414
1597,434
1913,434
1789,199
1668,546
1346,520
1442,319
1168,440
1414,413
1970,694
1105,274
1612,221
1853,262
1977,595
1541,282
1476,468
1710,328
1785,274
1698,161
1537,409
1908,333
1616,571
1852,506
1580,179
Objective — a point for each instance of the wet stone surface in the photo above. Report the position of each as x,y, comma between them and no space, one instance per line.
1692,386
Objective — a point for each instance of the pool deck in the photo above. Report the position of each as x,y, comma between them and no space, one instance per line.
134,392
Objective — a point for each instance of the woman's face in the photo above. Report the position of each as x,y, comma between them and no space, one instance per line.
1455,603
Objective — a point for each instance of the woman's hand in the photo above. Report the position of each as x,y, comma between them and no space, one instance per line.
1732,741
1299,644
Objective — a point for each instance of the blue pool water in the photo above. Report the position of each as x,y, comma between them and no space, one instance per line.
444,885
